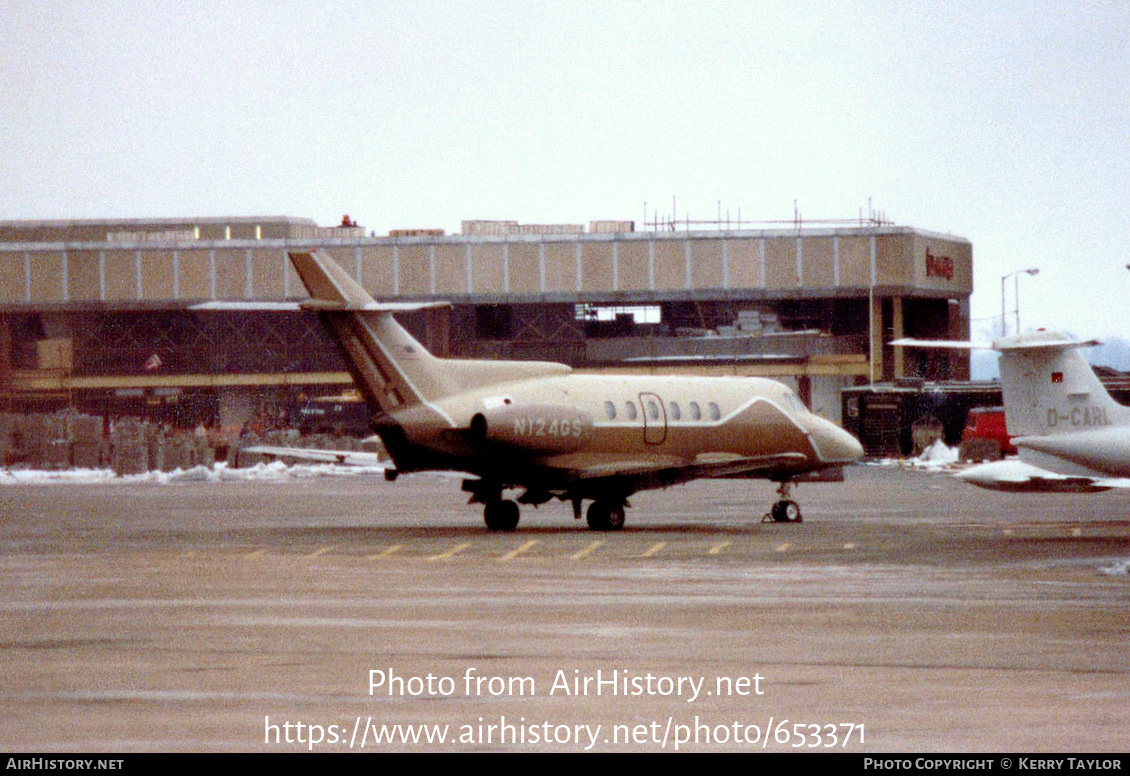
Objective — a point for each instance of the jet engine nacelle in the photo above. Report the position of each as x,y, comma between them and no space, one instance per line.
554,428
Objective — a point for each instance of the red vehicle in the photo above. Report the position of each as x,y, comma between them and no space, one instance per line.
988,423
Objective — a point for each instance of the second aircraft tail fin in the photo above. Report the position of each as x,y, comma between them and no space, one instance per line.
1049,388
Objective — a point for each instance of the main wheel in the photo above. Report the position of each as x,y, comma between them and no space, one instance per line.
603,516
785,511
616,518
501,515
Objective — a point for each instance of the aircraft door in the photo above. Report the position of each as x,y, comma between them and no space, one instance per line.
654,419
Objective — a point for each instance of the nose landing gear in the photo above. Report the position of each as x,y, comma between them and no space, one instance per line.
785,510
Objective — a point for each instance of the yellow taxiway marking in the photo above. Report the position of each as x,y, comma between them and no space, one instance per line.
384,553
519,550
717,549
849,546
782,547
253,555
587,550
654,549
1076,531
449,553
320,551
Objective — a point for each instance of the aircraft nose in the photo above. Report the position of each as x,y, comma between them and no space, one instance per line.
832,443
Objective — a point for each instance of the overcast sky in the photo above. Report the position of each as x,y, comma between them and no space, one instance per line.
1005,123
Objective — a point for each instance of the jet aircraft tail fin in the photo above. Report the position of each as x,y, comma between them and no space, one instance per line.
390,367
1049,388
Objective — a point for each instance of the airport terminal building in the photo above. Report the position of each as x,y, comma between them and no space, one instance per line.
97,314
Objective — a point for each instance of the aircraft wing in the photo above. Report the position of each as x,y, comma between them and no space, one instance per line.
1014,476
341,457
671,471
712,465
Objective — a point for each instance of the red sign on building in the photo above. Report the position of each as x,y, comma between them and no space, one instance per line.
938,266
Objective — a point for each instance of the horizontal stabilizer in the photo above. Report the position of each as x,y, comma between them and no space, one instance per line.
910,342
1036,340
1043,340
250,307
322,304
374,307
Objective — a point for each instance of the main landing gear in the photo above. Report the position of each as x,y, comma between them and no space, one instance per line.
501,514
605,516
785,510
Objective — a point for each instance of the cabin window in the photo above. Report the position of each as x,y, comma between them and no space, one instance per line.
696,411
610,410
652,410
715,413
676,413
632,414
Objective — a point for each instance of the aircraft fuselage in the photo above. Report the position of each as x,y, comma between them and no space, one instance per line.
572,423
1102,451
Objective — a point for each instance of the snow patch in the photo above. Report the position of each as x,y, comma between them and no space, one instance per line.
1119,569
276,471
936,457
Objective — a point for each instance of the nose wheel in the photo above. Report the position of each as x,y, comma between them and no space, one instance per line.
785,510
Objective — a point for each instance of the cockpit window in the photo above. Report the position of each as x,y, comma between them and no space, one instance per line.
696,411
610,410
676,413
715,413
632,413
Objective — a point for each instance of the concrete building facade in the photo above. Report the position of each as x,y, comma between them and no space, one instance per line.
97,312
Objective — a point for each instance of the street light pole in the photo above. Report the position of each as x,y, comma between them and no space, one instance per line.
1004,315
1016,294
